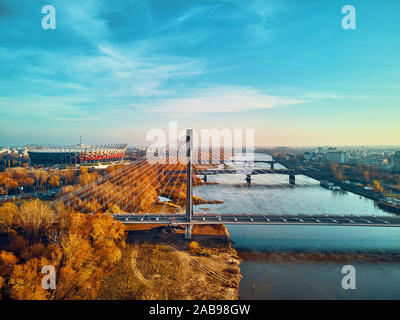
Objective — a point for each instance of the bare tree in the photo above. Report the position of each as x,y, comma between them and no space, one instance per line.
36,219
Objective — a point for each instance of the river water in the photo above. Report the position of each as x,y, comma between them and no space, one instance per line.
305,262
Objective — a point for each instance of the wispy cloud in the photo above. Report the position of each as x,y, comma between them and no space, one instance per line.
220,99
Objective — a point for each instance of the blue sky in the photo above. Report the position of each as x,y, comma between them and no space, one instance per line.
112,70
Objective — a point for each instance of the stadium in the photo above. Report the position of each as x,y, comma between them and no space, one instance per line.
73,155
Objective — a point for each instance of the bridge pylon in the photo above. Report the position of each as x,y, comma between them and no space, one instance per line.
248,178
189,188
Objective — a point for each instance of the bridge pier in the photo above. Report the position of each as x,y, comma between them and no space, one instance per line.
205,178
292,179
272,165
188,231
248,179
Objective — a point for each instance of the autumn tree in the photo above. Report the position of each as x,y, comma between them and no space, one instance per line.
54,181
35,218
91,249
40,177
194,247
88,249
7,182
337,171
7,263
8,212
26,281
377,187
85,177
69,176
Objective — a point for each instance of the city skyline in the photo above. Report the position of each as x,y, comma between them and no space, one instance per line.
113,71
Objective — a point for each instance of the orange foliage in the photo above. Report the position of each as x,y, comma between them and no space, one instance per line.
82,248
54,181
8,212
377,187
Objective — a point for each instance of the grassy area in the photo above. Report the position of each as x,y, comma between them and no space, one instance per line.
163,267
147,271
122,284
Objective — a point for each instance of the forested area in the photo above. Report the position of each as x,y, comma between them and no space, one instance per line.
34,179
82,248
365,174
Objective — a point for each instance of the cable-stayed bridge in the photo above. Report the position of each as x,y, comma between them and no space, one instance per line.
131,193
259,219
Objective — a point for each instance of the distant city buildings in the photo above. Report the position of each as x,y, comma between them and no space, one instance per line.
289,157
21,151
396,161
336,156
386,158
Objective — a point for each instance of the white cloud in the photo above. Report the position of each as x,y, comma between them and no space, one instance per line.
218,100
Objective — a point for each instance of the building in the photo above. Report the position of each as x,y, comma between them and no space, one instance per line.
79,154
313,156
289,157
5,150
336,156
396,161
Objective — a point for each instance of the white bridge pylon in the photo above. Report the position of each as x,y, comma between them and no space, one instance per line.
189,186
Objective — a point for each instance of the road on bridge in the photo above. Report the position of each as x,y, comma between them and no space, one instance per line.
260,219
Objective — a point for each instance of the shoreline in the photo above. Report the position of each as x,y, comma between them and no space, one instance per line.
323,257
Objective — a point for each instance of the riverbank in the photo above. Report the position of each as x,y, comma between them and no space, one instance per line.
326,257
327,176
158,263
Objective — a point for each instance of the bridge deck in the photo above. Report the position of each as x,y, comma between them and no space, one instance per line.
260,219
251,171
250,161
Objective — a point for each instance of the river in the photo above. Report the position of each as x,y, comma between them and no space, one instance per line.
305,262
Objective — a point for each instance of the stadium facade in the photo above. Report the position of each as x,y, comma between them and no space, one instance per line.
73,155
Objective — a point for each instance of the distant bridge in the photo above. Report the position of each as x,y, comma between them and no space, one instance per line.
248,172
270,162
